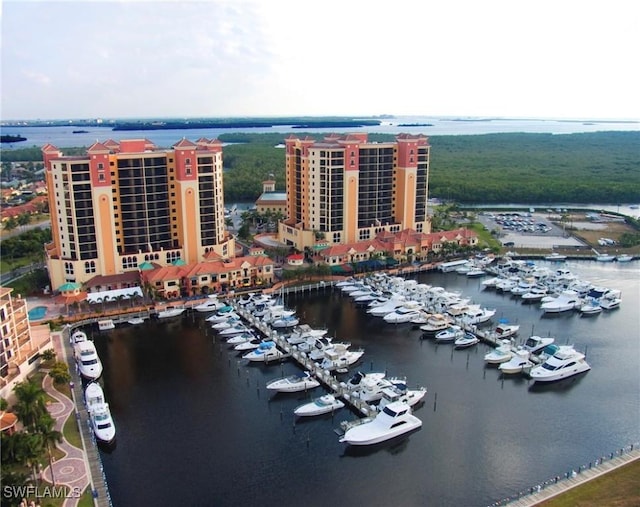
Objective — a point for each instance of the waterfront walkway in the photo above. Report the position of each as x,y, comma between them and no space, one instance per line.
79,468
574,478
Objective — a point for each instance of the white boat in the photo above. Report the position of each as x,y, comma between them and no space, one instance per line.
435,323
359,377
400,392
624,258
136,321
590,307
394,420
314,347
504,330
293,383
171,311
451,334
230,321
610,302
535,344
238,328
566,362
285,322
99,414
322,405
78,336
388,307
475,315
87,360
210,305
339,357
264,353
565,301
476,273
501,354
222,315
241,338
535,294
106,325
605,258
466,340
518,363
248,345
555,257
405,313
370,388
304,332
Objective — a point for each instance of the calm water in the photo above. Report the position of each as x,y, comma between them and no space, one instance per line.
197,427
63,137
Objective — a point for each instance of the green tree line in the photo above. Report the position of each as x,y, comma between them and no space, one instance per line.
598,167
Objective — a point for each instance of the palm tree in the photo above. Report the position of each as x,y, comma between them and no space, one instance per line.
30,451
31,402
45,427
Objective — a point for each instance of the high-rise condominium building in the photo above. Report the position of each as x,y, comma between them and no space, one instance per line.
346,189
123,204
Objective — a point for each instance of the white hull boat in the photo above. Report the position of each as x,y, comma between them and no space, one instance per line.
264,353
467,340
394,420
234,330
78,336
535,344
293,383
170,312
500,354
221,314
322,405
340,359
99,414
590,308
400,392
87,359
565,363
210,305
518,363
451,334
565,301
359,378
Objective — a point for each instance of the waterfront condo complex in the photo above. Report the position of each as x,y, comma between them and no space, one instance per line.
346,189
127,203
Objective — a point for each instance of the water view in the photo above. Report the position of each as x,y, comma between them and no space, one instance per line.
196,425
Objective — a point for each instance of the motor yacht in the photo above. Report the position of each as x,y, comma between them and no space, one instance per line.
264,353
451,334
504,330
400,392
405,313
358,378
535,344
170,312
322,405
293,383
99,414
78,336
212,304
302,333
285,322
339,357
370,388
610,302
590,307
475,315
468,339
388,307
237,328
501,354
566,362
395,419
555,257
221,315
87,360
565,301
435,323
518,363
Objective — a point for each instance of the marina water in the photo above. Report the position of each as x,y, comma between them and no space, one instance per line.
196,425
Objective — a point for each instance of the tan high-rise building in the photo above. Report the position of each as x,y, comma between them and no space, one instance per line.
123,204
345,189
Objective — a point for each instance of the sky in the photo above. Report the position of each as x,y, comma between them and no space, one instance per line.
573,59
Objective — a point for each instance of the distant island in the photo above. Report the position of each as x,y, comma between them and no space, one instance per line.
80,132
11,139
294,122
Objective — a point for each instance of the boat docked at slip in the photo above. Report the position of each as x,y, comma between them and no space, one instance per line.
170,312
78,336
535,344
590,307
468,339
565,301
231,319
359,378
339,357
505,330
450,334
387,307
624,258
322,405
501,354
304,332
555,257
100,418
400,392
520,362
293,383
87,359
565,362
222,314
212,304
435,323
237,328
264,353
535,294
370,388
610,301
605,258
394,420
405,313
286,321
475,315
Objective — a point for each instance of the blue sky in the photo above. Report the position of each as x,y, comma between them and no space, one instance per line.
544,58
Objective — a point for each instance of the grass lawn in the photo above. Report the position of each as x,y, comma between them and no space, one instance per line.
619,488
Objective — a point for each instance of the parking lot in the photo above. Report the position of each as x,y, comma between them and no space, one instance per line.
527,230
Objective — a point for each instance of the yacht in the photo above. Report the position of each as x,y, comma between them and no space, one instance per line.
370,389
609,302
435,323
285,321
450,334
624,258
99,414
303,332
221,315
590,307
475,315
501,354
535,294
264,353
210,305
555,257
400,392
171,311
505,330
518,363
339,357
293,383
87,360
78,336
535,344
394,420
405,313
605,258
566,362
322,405
567,300
359,378
388,307
468,339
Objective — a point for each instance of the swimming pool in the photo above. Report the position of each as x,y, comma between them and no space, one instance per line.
37,313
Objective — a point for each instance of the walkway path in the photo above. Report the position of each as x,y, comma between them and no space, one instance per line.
71,470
